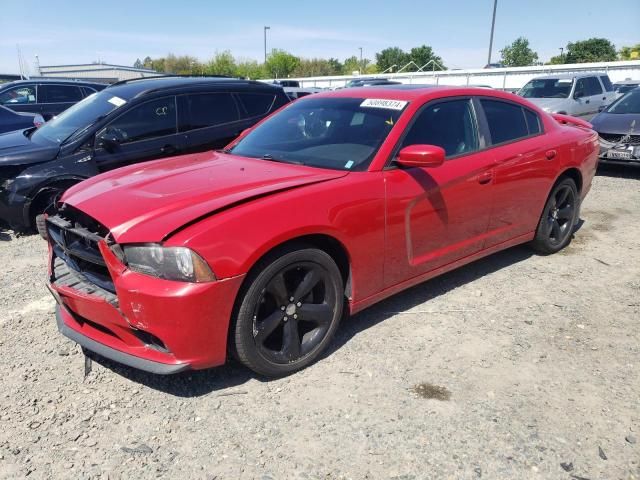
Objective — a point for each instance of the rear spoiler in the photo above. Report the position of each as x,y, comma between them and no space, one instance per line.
569,120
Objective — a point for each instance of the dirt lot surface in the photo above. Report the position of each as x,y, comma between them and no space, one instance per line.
532,364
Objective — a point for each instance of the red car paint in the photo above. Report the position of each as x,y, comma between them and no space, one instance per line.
398,227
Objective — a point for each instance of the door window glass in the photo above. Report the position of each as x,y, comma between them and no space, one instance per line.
608,86
59,94
581,88
19,95
533,122
209,109
593,86
155,118
506,121
449,125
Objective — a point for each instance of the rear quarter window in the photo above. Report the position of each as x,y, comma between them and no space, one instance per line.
608,86
256,104
208,110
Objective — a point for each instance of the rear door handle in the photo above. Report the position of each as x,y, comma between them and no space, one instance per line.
485,178
550,154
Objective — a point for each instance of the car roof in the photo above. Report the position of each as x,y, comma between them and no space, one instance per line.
50,80
628,82
139,87
411,92
570,75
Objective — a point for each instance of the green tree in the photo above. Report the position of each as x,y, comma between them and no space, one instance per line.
336,66
222,63
630,53
423,55
147,62
350,65
250,69
137,63
518,54
591,50
313,67
281,64
389,57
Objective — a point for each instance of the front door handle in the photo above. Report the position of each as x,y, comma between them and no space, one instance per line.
604,98
586,101
485,178
168,149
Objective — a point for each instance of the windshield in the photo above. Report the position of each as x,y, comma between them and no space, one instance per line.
336,133
78,118
547,88
630,103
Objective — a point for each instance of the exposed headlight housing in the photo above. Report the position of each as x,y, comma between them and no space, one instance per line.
179,264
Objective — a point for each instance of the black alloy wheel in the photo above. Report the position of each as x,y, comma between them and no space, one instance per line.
289,313
558,218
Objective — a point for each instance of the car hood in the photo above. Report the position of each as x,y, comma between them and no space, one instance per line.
617,123
551,105
17,149
148,202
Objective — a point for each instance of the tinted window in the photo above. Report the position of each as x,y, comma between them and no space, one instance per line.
608,86
449,125
88,91
256,104
533,122
547,88
593,86
59,94
19,95
152,119
506,121
209,109
581,88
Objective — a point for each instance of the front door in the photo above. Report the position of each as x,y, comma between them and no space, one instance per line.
145,132
436,216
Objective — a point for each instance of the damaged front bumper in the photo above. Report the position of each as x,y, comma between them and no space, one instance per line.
619,153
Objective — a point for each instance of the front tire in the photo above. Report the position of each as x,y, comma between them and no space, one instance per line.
558,218
288,312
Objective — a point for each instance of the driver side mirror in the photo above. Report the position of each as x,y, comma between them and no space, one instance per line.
107,141
578,94
422,156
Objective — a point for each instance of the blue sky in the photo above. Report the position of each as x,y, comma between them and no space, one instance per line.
118,32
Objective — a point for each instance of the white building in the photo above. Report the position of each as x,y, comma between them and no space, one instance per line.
96,72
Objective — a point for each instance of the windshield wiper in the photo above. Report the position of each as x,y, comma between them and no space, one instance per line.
223,150
269,157
84,129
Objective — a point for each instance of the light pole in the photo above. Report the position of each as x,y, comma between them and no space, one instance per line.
360,60
493,24
265,43
561,52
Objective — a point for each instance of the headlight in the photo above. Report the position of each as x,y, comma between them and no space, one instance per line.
170,263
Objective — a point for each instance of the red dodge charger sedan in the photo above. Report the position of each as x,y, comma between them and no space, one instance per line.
334,202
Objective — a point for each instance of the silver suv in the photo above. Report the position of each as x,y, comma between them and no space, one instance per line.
577,94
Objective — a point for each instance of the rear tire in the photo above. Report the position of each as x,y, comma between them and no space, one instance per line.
288,312
560,214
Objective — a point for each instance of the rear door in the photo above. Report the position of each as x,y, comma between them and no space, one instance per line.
21,98
208,120
609,92
523,163
54,99
146,131
596,95
436,216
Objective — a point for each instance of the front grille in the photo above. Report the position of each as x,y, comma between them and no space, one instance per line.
74,237
618,138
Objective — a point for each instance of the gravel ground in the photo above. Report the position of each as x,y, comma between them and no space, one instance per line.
515,367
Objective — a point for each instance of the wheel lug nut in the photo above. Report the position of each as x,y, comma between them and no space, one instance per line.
295,315
285,319
283,308
299,304
291,299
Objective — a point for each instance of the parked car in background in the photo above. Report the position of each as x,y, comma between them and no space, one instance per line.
48,97
129,122
339,199
369,82
580,95
626,86
618,127
10,120
287,83
294,93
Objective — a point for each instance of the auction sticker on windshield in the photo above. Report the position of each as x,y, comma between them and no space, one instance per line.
117,101
381,103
